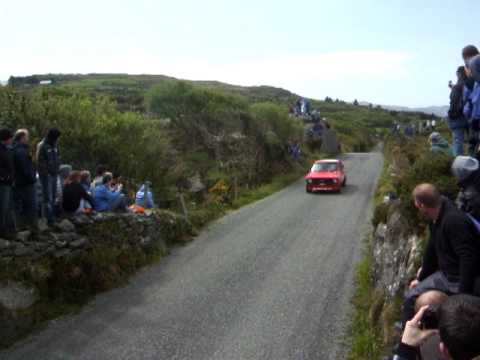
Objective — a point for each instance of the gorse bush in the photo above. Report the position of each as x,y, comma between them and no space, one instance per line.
93,131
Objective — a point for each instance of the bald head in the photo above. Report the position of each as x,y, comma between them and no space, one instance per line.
427,196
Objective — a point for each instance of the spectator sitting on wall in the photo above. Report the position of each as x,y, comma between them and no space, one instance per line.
86,180
117,182
7,222
100,171
108,200
439,145
450,263
24,190
145,200
48,163
458,320
74,193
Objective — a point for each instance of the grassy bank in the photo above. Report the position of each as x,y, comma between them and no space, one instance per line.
408,162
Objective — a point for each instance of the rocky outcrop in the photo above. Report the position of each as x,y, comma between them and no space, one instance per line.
75,259
397,253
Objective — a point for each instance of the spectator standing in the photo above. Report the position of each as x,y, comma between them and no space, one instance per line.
75,195
108,200
7,222
472,99
450,263
24,190
457,123
48,163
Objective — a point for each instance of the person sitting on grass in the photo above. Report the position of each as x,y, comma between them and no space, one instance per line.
439,145
108,200
74,195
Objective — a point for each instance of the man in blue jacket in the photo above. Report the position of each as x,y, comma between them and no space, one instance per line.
25,178
472,99
106,199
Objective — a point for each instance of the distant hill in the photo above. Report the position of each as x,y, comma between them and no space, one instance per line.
436,110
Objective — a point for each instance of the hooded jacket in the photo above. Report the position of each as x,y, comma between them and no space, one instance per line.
48,156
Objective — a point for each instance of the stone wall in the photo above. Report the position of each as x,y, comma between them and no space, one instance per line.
78,257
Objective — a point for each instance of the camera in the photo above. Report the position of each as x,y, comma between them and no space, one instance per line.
430,318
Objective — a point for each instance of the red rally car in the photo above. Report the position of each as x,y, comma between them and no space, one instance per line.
326,175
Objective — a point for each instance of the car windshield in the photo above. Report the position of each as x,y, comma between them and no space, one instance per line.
325,167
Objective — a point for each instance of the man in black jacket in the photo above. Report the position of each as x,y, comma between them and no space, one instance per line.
450,263
7,224
48,162
25,179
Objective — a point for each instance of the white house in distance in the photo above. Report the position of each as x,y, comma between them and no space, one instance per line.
45,82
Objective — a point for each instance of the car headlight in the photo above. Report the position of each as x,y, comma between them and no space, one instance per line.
335,181
309,181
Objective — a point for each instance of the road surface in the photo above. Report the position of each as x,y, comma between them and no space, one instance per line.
270,281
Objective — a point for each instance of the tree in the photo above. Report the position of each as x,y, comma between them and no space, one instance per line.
355,102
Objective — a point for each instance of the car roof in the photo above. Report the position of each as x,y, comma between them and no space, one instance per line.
327,161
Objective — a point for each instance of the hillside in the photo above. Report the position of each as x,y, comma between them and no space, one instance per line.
179,133
355,124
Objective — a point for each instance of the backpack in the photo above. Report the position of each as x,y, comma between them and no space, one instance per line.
456,103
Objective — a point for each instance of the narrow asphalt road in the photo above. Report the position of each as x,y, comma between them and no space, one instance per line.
270,281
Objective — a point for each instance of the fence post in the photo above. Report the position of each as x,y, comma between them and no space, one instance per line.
235,188
184,206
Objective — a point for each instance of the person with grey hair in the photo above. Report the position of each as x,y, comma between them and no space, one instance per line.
439,145
466,170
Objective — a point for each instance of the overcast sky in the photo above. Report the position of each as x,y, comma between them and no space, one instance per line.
389,52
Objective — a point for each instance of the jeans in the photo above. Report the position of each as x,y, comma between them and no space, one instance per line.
25,198
7,220
49,189
437,281
119,204
458,127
